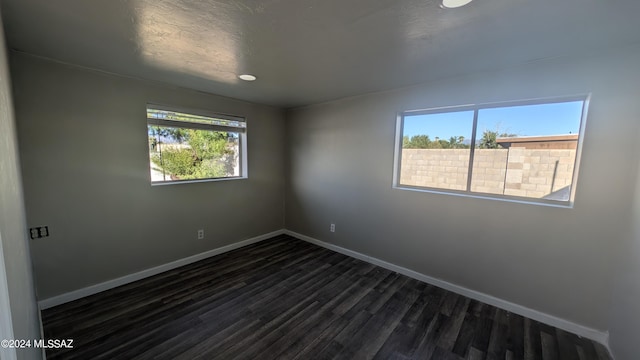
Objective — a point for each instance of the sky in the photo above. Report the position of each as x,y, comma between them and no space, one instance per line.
527,120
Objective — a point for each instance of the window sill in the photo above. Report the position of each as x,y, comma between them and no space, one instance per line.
177,182
495,197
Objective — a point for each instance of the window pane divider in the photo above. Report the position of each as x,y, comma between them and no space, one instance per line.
472,150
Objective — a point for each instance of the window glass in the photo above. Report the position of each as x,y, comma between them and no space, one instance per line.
526,151
186,147
436,149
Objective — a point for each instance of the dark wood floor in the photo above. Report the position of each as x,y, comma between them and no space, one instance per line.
286,299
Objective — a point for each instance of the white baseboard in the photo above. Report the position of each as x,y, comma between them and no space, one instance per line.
110,284
587,332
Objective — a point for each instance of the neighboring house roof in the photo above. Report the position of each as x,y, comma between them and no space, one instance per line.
566,141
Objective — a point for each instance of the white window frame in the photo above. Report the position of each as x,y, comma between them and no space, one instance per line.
397,160
242,138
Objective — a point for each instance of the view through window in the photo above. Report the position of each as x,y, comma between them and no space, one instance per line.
527,150
187,147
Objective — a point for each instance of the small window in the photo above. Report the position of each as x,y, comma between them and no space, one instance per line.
194,147
523,151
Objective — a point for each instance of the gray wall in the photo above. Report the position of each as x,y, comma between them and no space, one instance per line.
554,260
84,153
625,308
13,231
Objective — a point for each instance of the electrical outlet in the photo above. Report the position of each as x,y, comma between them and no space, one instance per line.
200,234
333,228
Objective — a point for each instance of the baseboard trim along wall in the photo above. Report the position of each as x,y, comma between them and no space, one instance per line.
110,284
589,333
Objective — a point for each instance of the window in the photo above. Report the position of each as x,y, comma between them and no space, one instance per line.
194,147
525,151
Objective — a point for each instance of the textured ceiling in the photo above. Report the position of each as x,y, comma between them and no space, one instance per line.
309,51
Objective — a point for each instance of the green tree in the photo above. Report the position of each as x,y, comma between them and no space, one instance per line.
203,156
418,142
425,142
457,142
207,144
176,162
489,139
406,142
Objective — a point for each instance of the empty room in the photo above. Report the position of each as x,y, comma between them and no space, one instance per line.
280,179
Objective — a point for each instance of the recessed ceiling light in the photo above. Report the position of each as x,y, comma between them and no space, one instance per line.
450,4
247,77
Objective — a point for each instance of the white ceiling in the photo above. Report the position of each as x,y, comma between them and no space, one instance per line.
309,51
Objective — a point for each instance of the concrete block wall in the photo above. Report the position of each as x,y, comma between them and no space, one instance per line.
537,173
489,170
514,171
438,168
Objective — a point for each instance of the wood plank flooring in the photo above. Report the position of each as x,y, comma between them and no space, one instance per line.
287,299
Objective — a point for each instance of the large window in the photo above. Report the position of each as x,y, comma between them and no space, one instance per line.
522,151
194,147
